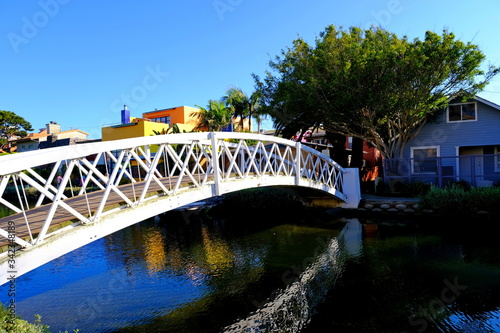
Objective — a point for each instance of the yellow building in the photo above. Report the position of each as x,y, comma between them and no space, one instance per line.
137,127
159,120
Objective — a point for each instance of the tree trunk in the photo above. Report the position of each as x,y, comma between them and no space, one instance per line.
356,153
338,151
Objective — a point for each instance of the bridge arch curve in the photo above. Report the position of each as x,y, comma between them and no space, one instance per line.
64,198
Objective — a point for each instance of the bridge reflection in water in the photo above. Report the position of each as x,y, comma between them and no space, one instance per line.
291,309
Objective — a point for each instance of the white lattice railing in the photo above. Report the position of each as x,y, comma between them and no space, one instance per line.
82,183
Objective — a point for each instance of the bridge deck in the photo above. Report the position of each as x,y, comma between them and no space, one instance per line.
62,217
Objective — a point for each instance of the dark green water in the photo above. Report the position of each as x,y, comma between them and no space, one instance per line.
313,274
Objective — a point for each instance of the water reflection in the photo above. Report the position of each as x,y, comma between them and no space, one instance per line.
416,279
291,309
154,251
483,322
302,276
218,254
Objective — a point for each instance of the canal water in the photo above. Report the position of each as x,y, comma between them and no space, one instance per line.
187,273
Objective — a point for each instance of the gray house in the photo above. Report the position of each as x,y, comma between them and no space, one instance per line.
461,144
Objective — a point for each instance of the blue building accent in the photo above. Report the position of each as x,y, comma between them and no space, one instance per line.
125,115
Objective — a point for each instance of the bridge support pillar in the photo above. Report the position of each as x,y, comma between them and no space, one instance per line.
352,188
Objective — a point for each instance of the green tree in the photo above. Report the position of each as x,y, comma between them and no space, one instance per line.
370,84
237,101
243,106
12,125
254,109
213,118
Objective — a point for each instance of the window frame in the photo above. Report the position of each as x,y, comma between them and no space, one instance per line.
163,120
461,113
412,158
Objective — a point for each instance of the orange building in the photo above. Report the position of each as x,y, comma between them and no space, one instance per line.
185,117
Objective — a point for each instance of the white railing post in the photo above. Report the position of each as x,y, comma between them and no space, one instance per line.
215,163
298,157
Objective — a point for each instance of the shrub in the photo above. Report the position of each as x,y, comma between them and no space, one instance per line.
18,325
457,200
415,188
460,183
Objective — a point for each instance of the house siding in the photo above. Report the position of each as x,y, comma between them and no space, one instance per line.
485,131
474,141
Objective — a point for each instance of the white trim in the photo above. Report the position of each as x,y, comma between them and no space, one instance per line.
485,101
412,156
461,121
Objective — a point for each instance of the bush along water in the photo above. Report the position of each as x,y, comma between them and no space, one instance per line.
462,201
10,323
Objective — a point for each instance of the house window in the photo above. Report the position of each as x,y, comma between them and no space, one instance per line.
164,120
425,160
462,112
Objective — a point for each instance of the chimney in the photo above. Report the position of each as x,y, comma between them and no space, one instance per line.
53,127
125,115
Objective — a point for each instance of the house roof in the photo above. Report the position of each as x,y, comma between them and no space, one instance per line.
43,133
36,135
72,130
485,101
167,109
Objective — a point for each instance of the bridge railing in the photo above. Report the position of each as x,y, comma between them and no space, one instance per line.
112,175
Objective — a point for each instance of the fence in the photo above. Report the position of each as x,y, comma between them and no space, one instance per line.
477,170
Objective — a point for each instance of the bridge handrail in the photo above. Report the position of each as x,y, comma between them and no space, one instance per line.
18,162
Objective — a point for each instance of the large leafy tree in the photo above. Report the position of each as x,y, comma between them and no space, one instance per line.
213,118
12,125
370,84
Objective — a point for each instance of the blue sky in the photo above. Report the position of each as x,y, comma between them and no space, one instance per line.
77,62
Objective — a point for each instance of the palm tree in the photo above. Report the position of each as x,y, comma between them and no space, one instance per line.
243,106
214,118
254,109
237,101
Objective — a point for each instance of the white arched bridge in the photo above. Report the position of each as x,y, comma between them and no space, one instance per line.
60,199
